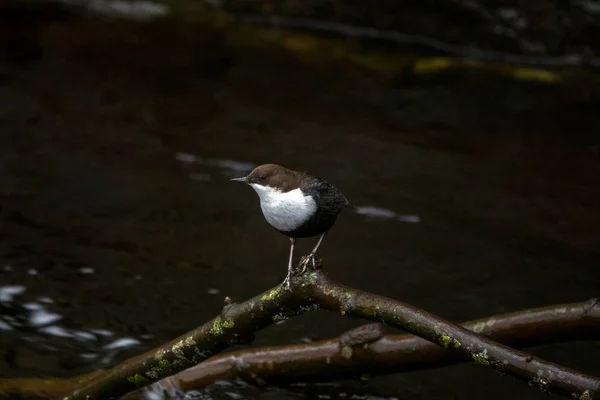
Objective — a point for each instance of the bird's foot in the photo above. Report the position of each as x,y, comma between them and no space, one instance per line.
286,282
311,260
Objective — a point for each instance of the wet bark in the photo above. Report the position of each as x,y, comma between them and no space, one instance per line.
314,290
366,348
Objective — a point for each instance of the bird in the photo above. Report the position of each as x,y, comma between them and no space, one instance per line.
296,204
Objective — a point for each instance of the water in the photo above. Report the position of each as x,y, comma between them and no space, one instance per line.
119,229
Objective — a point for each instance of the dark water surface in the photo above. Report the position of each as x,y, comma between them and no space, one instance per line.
119,229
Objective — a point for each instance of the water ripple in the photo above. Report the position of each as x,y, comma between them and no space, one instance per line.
21,315
384,213
8,292
122,343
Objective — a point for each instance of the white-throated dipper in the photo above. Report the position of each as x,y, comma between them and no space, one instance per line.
296,204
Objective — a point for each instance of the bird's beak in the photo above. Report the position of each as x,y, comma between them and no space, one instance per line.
243,180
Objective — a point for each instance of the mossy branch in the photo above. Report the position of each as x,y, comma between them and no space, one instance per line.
367,350
237,323
547,376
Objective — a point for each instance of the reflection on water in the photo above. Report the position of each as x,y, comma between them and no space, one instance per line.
40,325
227,166
122,343
378,212
39,316
139,10
241,390
8,292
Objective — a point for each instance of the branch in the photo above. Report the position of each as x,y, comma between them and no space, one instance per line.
237,322
547,376
328,360
235,325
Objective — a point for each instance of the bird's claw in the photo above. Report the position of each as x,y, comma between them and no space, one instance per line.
286,283
309,259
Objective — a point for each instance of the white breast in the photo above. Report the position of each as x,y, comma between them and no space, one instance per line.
285,211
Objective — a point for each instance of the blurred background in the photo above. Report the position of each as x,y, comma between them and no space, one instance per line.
466,133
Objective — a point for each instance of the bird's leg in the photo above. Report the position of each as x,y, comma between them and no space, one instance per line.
311,257
286,281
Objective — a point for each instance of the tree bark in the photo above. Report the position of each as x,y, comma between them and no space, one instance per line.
327,360
314,290
366,350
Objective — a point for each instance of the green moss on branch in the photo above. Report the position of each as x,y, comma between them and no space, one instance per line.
311,291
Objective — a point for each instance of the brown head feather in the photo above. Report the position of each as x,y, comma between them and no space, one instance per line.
276,176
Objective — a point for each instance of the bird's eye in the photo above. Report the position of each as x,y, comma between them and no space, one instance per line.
262,177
